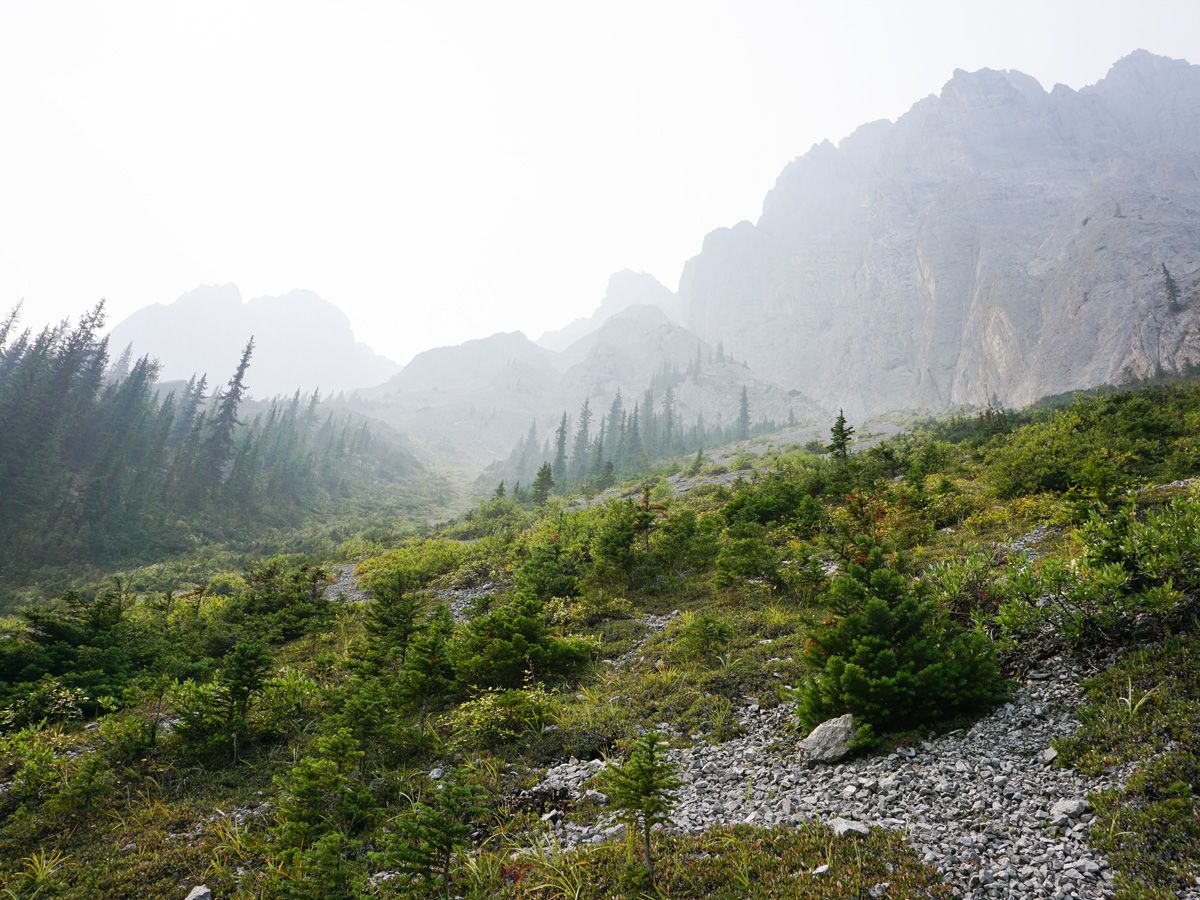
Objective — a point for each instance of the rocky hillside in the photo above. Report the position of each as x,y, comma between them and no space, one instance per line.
997,240
301,341
469,404
625,289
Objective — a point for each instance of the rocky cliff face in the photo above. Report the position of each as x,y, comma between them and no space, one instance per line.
998,240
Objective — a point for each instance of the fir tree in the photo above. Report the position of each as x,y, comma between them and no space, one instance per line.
642,790
560,453
543,484
242,673
579,450
427,681
220,444
616,419
1171,287
428,836
743,419
841,435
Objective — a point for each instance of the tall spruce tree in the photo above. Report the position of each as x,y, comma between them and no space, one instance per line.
219,446
560,453
579,450
840,436
743,419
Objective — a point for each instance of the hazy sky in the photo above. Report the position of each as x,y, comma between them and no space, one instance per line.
445,170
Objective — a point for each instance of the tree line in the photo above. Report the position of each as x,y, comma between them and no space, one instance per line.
585,454
98,463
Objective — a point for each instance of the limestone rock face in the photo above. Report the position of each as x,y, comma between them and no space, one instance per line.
830,741
997,241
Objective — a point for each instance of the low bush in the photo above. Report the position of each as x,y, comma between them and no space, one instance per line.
496,718
892,658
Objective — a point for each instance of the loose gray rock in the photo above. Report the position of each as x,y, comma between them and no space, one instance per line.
830,741
842,827
200,892
974,803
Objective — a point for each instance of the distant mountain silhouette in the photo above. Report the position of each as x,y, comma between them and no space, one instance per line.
300,341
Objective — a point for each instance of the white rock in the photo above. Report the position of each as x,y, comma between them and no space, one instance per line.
842,827
830,741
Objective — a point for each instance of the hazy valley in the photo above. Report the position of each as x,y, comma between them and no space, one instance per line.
864,564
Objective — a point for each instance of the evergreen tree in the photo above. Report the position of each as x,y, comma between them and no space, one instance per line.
579,450
543,484
616,418
321,796
634,455
1171,286
560,453
642,790
392,619
220,444
841,434
668,440
427,681
428,836
597,460
743,419
891,658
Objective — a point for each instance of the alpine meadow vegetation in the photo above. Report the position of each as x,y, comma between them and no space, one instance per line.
241,724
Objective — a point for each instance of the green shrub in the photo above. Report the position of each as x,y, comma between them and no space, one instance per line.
413,565
892,658
702,637
1135,578
548,572
588,610
746,555
496,718
511,643
1145,709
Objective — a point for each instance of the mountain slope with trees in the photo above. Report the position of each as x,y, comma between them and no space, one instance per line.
261,737
100,468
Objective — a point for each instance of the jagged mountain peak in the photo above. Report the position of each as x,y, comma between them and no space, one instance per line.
997,240
625,288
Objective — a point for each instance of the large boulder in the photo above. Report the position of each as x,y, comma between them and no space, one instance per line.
830,741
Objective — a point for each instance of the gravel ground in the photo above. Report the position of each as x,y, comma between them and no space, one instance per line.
986,806
344,586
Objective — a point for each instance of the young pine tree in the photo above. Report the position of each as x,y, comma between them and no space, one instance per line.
891,658
543,484
392,621
841,434
426,839
743,419
427,681
642,790
322,803
242,673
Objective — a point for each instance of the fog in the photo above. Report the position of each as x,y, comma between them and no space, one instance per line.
444,171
